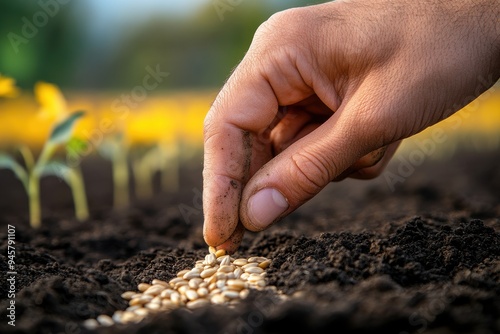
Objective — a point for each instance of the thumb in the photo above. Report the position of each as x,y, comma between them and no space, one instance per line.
304,169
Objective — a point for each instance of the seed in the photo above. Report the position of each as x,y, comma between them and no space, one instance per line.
261,283
244,293
220,252
220,276
176,280
179,284
128,295
166,303
202,292
137,295
146,298
142,312
133,308
237,272
175,298
197,303
153,306
257,259
230,276
182,273
254,278
160,282
192,274
183,289
215,292
135,301
156,300
208,272
240,262
226,269
105,320
244,276
236,284
90,324
210,259
226,260
265,264
220,284
212,250
218,299
212,286
129,317
195,282
254,270
231,294
143,287
249,265
191,295
166,293
154,290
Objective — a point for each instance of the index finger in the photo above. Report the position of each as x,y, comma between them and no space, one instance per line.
244,106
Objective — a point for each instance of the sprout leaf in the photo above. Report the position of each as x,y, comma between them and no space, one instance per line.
8,162
62,132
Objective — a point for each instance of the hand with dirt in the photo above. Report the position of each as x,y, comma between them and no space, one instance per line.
327,92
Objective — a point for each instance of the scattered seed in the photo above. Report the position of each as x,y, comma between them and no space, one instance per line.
191,295
105,320
265,264
220,252
254,270
202,292
197,303
226,269
91,324
154,290
160,282
226,260
218,279
182,272
240,262
256,259
231,294
208,272
128,295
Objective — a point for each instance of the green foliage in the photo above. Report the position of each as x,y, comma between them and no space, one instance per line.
31,173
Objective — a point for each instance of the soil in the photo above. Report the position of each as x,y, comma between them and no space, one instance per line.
358,258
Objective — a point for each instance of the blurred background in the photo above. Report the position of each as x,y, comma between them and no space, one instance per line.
95,44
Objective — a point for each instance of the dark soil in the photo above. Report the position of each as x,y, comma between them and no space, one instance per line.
357,258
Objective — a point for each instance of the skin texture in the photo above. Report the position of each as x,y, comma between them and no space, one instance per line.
327,92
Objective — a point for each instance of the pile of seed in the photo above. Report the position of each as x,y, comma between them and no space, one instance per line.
218,279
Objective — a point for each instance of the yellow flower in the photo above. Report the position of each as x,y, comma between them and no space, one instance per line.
8,87
51,100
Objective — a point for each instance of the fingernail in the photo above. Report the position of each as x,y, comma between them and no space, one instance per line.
265,206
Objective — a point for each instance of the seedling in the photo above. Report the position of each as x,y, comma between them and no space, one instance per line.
160,159
32,171
114,148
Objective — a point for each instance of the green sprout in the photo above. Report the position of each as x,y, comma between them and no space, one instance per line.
156,159
114,149
32,171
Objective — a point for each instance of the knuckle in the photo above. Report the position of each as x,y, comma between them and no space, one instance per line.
311,172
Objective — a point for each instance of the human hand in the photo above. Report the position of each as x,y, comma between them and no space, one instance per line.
328,91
